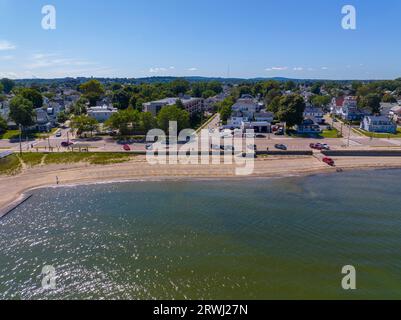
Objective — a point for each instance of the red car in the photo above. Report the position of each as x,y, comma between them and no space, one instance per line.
328,161
126,147
317,146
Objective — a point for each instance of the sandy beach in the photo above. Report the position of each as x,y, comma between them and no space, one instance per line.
12,187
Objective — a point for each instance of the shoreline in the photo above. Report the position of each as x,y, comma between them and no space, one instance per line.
84,174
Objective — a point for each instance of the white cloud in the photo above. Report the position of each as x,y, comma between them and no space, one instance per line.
298,69
192,69
276,69
157,70
325,68
51,60
6,45
6,58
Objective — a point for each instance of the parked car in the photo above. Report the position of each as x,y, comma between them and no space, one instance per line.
281,146
58,134
329,161
126,147
279,132
229,147
66,144
149,146
252,147
260,136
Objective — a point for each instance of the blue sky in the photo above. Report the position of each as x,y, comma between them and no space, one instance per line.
253,38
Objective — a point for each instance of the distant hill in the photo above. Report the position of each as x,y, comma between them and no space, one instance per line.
77,81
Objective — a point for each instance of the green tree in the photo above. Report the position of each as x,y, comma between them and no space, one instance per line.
389,98
180,104
315,89
83,124
291,109
320,101
1,87
21,111
148,122
371,101
8,85
62,117
121,99
125,121
208,93
172,113
92,90
34,96
274,105
214,86
179,86
3,125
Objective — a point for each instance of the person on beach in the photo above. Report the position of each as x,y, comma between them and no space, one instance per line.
57,180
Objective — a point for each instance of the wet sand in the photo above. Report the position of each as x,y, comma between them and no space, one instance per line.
12,187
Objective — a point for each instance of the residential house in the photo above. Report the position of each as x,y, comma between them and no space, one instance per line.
43,121
101,113
247,106
381,124
315,114
264,116
347,108
308,126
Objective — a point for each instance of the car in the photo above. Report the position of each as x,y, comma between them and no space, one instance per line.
325,146
251,147
281,146
260,136
66,144
149,146
215,147
328,161
228,147
317,146
279,132
126,147
249,135
58,134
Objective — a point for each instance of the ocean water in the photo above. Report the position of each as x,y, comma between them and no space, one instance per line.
282,238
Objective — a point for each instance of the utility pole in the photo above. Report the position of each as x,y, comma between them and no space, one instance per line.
20,139
349,135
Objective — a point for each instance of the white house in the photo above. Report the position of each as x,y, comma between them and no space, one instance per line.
264,116
379,124
314,113
246,105
192,105
101,113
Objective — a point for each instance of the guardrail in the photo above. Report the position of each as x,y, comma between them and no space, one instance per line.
362,153
5,154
